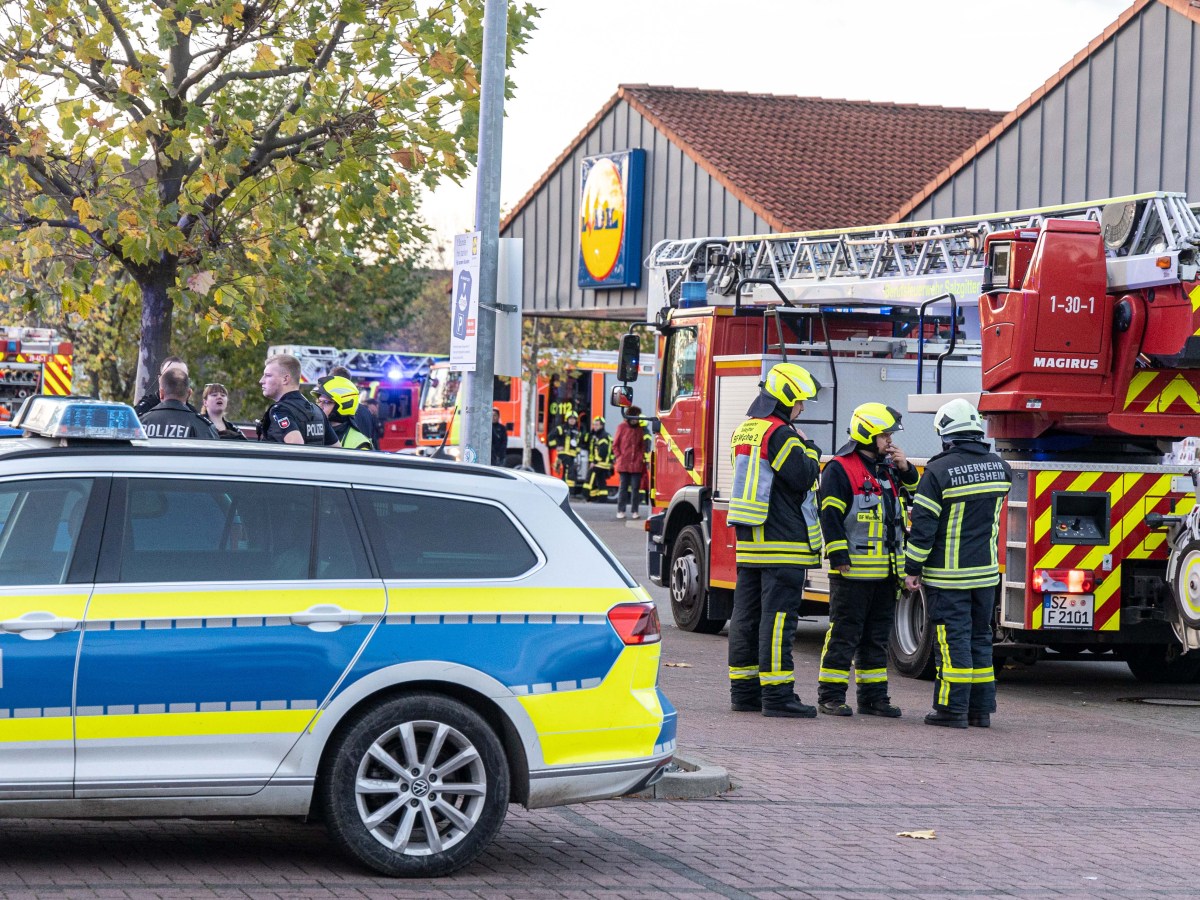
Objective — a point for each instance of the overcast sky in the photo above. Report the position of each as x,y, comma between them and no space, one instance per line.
957,53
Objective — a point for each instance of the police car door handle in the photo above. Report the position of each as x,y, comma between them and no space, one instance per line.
38,626
326,618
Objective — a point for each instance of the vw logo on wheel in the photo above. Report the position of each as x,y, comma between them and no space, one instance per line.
420,787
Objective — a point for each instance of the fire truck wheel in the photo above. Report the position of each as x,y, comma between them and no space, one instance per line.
1186,585
689,598
1163,664
911,642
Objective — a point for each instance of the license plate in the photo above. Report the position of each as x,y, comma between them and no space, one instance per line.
1068,610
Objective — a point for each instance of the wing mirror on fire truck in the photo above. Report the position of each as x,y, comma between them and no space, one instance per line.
630,359
621,396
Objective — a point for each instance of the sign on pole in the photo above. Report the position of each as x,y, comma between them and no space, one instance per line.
464,306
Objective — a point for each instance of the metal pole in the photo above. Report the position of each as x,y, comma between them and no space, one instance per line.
477,413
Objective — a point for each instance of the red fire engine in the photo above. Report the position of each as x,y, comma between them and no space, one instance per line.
1076,329
32,361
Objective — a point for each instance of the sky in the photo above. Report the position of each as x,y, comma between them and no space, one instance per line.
955,53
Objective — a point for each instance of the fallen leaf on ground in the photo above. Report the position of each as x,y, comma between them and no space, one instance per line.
927,834
678,665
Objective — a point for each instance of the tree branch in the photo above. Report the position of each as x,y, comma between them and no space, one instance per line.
229,77
119,30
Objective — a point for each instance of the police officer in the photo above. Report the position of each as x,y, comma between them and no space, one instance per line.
565,440
952,551
600,462
172,417
773,506
338,398
862,520
290,419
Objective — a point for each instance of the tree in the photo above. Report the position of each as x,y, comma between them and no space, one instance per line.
221,154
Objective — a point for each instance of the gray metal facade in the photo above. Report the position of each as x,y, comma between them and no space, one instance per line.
682,200
1125,120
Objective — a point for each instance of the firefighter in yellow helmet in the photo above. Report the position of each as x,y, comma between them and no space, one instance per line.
566,441
338,398
862,519
773,508
600,462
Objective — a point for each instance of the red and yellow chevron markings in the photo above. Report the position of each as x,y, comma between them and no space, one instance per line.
1170,392
1131,496
57,375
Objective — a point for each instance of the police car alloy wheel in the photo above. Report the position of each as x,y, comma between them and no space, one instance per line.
416,786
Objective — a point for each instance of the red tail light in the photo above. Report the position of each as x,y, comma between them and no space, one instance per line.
1065,581
636,623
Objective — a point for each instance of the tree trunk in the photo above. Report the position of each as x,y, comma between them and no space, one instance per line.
157,308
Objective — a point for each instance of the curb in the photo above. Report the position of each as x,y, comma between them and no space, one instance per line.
688,778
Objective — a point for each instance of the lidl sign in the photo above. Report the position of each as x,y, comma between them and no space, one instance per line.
610,220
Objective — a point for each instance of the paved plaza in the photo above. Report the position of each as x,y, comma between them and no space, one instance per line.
1080,789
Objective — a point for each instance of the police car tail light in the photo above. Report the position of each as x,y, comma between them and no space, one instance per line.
1064,581
636,623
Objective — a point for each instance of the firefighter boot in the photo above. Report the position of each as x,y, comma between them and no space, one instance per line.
779,702
835,707
946,719
743,699
979,719
882,707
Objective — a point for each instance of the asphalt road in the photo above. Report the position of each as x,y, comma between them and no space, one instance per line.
1080,789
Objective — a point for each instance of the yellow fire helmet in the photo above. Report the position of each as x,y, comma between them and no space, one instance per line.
871,419
342,391
789,384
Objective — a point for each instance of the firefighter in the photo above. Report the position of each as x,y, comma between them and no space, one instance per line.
600,462
952,551
773,506
565,440
862,521
338,397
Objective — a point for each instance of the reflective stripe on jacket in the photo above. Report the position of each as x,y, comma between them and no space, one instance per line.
862,514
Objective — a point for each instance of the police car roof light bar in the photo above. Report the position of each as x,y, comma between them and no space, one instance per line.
79,418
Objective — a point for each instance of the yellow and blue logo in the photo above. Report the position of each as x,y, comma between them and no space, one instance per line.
610,220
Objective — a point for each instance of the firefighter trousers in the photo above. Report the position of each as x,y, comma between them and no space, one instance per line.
860,620
597,483
566,462
766,602
962,643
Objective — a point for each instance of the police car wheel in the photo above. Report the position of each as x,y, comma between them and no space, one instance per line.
688,580
910,644
416,786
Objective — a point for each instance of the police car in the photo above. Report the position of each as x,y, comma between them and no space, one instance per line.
399,646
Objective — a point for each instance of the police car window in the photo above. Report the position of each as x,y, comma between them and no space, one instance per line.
340,550
179,530
439,538
39,527
679,367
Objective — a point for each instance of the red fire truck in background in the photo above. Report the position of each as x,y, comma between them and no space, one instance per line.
392,377
32,361
1076,330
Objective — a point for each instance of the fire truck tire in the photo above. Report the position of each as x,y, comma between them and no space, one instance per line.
911,642
1186,585
1163,664
689,577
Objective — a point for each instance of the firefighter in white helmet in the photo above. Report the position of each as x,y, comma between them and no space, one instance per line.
862,519
952,551
773,507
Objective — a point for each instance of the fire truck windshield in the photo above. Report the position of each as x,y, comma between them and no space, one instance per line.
441,389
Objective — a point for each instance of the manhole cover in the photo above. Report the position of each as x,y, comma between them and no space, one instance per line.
1162,701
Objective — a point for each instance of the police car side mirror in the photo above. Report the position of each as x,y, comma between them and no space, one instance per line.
621,396
630,358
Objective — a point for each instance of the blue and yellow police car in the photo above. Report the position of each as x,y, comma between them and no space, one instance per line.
397,645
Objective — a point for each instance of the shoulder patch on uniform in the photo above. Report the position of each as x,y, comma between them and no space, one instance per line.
281,419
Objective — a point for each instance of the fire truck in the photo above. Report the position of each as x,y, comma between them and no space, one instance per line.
1075,329
392,377
584,388
32,361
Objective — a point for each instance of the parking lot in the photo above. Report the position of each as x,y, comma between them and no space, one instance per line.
1081,788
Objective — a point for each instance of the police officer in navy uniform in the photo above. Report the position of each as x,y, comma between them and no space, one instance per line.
172,417
291,418
952,551
773,507
862,520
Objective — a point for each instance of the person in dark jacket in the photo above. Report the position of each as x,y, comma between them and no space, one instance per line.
499,440
952,550
629,457
291,418
151,398
600,462
567,443
862,521
171,417
773,508
364,424
214,402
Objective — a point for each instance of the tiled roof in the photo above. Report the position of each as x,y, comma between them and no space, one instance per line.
803,163
1189,8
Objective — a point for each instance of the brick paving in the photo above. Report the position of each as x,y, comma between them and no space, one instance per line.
1074,792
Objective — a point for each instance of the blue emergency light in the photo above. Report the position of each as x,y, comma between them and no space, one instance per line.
693,293
79,417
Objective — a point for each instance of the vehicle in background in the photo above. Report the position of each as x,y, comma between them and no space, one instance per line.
33,361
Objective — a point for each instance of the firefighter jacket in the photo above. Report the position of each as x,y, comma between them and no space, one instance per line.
773,502
862,515
600,449
565,439
349,436
956,518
